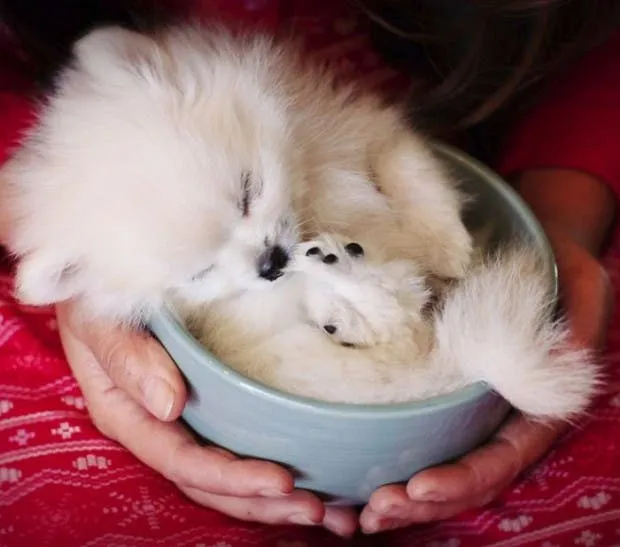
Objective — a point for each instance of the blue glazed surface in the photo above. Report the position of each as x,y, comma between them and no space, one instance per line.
345,452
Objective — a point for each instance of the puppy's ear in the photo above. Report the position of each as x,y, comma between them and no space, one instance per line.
43,280
107,47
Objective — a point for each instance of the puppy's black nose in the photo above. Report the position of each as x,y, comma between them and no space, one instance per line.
271,263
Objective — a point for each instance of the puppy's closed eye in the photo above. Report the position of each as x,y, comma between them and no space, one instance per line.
246,182
250,189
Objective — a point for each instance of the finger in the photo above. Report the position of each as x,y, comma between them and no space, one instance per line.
341,521
298,508
132,359
168,447
374,524
388,498
409,513
392,503
487,470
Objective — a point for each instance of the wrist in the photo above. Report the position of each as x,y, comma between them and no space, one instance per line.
569,204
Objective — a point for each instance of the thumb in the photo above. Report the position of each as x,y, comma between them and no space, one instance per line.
586,296
134,361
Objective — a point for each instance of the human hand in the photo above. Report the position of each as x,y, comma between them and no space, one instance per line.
135,393
480,476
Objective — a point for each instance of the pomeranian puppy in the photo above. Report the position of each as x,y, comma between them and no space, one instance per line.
190,162
188,165
342,326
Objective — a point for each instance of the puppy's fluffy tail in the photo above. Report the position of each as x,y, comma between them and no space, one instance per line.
498,326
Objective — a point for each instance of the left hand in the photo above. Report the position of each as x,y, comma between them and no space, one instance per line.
135,393
479,477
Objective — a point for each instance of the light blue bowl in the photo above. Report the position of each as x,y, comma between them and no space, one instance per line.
344,452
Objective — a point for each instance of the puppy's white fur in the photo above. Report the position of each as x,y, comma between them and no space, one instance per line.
132,185
495,325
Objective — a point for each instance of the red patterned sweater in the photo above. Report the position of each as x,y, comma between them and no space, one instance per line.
62,484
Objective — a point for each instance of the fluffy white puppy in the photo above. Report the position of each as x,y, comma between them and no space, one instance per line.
188,163
341,326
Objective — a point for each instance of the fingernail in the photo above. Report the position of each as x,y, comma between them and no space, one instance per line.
273,493
159,397
301,519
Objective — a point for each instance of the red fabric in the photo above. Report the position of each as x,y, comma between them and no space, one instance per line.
63,485
576,124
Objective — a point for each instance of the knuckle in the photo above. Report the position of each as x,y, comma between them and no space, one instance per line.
119,364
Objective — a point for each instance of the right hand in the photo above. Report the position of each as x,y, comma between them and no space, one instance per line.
135,394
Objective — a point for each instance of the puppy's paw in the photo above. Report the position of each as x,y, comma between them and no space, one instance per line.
328,255
355,302
333,282
345,325
341,297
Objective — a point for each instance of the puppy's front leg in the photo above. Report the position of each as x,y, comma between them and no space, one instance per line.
426,200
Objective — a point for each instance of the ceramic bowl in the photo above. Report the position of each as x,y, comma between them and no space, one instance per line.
344,452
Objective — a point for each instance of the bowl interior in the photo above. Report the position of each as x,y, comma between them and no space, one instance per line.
492,198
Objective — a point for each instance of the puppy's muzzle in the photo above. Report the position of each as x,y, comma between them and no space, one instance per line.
272,262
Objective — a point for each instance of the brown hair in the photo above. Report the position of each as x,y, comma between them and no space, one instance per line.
485,56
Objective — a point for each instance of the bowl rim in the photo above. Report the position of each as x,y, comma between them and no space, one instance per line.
169,321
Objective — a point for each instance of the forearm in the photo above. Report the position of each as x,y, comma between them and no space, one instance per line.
576,211
574,202
563,153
